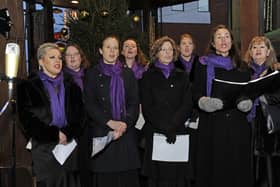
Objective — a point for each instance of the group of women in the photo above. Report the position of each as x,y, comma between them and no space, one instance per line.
65,102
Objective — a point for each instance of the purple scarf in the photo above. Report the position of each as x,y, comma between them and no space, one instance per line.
258,70
138,70
117,92
187,64
214,61
165,69
56,91
77,76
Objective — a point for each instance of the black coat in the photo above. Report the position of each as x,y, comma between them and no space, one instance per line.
35,115
224,137
166,106
35,112
122,154
178,64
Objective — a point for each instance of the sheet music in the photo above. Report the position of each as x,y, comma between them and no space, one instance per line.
140,122
62,152
99,143
177,152
245,83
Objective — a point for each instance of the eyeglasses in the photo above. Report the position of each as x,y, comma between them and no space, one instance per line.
166,49
72,55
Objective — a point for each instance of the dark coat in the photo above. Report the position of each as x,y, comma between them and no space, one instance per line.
35,112
264,142
224,137
122,154
35,115
178,64
166,106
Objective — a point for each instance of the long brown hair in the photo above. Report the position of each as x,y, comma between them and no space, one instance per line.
234,52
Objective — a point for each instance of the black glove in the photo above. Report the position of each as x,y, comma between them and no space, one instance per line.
171,137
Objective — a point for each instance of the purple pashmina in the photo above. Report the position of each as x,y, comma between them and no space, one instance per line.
56,91
77,76
187,64
258,70
165,69
214,61
138,70
117,92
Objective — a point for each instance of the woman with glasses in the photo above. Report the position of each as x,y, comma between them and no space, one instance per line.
75,66
166,105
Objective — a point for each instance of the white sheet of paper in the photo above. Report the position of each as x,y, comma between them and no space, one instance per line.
29,144
99,143
177,152
62,152
140,122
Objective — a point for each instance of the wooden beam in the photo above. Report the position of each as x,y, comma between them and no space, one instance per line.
251,21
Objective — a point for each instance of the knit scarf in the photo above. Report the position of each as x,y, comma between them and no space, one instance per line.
138,70
187,64
214,61
258,70
165,68
56,91
117,92
77,76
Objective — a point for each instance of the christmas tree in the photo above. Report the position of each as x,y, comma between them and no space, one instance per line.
100,18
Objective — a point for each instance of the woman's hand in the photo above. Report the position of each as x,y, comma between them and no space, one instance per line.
62,138
119,128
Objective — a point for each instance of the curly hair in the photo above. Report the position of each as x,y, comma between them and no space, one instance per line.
156,47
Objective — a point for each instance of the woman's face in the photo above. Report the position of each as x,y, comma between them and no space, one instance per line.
259,52
129,50
110,50
165,54
51,62
73,58
222,42
186,47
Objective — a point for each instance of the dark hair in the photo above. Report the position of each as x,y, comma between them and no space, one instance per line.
233,52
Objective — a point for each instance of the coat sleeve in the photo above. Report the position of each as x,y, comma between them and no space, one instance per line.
184,111
132,99
75,112
34,115
94,111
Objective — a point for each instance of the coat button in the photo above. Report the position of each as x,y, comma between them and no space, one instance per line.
171,85
101,85
103,98
227,115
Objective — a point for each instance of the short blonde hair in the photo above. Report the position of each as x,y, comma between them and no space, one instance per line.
42,49
156,47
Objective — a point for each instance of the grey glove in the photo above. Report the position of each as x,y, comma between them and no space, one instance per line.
263,99
209,104
245,105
